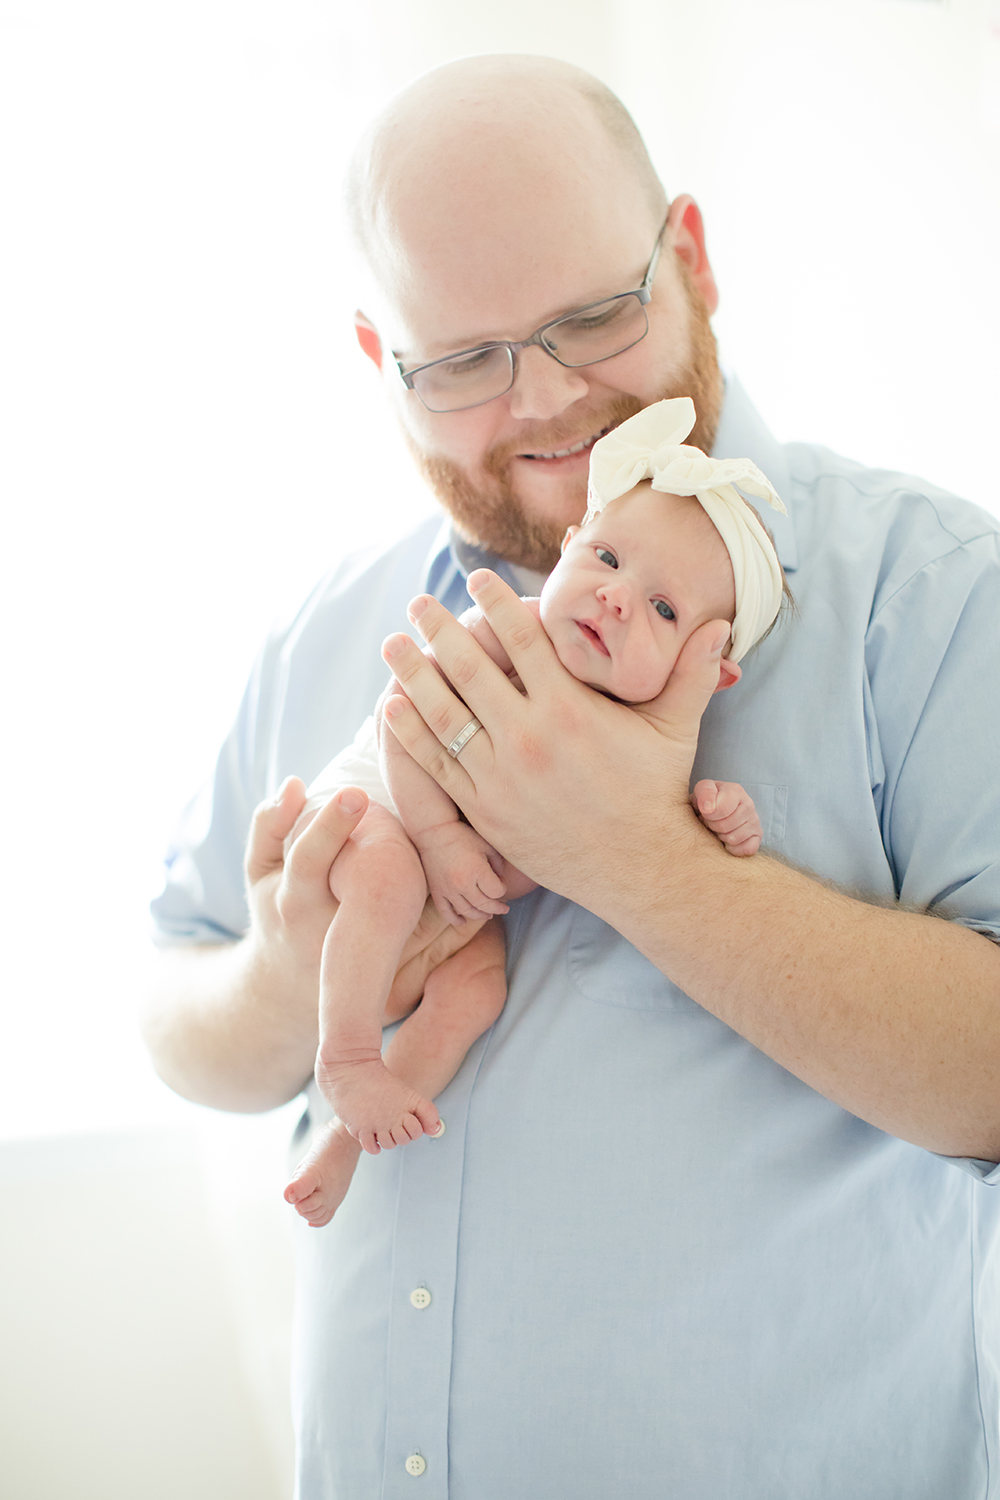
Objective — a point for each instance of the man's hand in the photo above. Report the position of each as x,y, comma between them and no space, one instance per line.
890,1014
291,903
563,781
235,1025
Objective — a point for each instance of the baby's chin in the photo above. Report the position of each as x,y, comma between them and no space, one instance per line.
629,693
630,701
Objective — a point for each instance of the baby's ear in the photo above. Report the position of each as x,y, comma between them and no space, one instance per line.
730,673
571,532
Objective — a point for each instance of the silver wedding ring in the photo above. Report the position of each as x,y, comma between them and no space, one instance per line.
463,737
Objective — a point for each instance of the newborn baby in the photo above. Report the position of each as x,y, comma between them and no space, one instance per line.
667,545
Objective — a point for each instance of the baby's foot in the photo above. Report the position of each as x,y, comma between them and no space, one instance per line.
322,1177
378,1109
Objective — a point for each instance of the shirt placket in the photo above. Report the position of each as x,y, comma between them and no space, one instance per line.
422,1300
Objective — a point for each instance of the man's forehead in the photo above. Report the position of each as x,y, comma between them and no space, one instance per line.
475,280
490,235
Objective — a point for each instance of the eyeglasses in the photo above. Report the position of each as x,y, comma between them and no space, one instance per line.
600,330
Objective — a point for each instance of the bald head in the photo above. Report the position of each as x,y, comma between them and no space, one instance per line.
481,142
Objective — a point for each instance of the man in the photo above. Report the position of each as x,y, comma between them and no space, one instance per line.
711,1215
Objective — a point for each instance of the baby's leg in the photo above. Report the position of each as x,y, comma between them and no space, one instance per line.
378,881
462,997
728,811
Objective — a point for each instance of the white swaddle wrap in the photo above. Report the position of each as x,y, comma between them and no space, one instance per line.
650,446
356,765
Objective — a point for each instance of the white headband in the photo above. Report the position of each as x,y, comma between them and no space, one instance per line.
650,446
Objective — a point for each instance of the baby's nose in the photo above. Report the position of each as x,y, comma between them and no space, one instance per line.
614,596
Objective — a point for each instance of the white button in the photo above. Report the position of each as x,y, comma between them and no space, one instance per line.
442,1127
415,1464
421,1297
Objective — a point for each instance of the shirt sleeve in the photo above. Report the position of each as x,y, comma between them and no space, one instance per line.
203,898
314,682
933,660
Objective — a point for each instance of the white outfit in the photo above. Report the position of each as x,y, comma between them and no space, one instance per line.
356,765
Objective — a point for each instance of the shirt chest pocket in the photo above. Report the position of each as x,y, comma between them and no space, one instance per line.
606,968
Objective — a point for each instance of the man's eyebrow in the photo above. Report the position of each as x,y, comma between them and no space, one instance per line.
438,349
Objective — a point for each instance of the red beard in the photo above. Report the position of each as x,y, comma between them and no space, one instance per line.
491,513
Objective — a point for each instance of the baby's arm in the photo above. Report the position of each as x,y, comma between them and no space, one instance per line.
727,810
456,859
458,862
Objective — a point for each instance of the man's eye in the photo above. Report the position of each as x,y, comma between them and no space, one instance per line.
663,609
604,556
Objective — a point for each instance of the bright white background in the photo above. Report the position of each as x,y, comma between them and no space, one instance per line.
189,437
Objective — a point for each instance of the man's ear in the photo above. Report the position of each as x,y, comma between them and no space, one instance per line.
571,532
730,673
368,338
686,233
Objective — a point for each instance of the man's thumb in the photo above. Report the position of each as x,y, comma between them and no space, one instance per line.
692,682
272,822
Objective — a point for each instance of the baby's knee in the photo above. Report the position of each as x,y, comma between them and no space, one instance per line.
470,988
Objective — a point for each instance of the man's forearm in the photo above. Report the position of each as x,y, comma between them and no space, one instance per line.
891,1014
225,1033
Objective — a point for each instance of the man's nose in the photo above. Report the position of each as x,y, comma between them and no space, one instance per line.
615,596
543,388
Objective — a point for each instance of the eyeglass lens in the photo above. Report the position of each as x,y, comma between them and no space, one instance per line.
584,338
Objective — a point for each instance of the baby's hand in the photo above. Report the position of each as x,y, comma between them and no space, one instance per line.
463,884
728,811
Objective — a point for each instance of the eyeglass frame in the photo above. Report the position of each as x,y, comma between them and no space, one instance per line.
643,292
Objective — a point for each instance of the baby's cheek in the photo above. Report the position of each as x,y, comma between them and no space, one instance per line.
643,680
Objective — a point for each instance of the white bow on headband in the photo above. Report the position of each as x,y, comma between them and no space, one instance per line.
650,446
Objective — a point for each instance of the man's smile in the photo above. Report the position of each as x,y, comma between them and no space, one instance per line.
559,454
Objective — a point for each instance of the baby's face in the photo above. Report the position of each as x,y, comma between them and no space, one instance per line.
631,587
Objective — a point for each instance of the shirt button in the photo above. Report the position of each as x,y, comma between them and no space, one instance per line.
437,1134
421,1297
415,1464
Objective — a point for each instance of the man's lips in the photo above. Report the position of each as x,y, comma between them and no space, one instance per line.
593,636
557,455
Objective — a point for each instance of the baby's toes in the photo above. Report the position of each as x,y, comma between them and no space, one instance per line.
408,1129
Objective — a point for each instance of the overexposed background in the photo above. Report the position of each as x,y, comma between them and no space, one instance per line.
189,437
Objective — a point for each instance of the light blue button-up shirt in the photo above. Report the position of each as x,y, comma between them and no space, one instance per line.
658,1265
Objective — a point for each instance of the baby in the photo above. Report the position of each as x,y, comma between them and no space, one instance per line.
667,545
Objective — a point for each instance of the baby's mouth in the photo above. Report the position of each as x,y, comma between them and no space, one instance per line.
594,636
581,447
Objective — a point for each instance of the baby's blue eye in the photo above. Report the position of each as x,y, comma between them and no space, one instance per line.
663,609
604,556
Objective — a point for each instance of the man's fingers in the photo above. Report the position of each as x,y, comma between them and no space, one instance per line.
272,822
422,742
471,683
531,652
